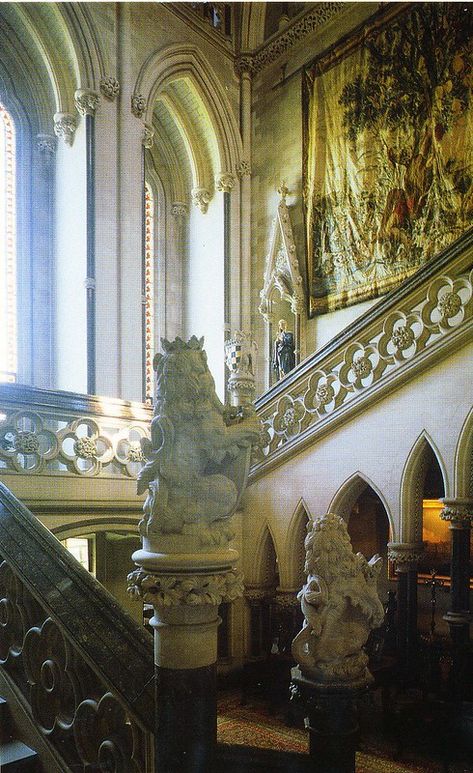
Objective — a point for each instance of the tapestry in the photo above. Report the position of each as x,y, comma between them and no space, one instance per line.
388,150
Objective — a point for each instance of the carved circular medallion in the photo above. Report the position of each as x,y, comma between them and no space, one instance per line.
85,448
324,394
362,366
26,443
289,418
403,337
449,305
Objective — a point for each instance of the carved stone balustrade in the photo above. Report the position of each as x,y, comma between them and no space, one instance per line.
57,433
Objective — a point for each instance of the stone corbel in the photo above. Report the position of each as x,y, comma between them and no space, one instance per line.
65,125
201,198
110,87
138,105
243,169
178,209
224,182
86,102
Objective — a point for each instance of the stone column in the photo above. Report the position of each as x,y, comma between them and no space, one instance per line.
240,353
406,557
185,581
459,514
244,68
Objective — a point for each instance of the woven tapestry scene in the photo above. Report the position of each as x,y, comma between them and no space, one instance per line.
388,151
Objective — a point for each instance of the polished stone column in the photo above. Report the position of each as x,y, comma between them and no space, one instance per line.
186,582
459,514
406,557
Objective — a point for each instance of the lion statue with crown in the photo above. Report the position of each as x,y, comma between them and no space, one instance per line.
198,455
340,604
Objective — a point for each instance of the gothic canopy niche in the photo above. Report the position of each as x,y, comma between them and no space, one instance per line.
282,268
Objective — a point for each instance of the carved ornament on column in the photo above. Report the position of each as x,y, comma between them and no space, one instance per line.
65,125
178,209
201,198
243,169
255,595
138,105
240,354
86,101
225,182
406,555
287,599
169,590
148,136
46,144
458,511
245,64
110,87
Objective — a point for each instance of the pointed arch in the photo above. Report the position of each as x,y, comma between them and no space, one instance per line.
292,571
464,459
346,496
179,61
264,559
412,486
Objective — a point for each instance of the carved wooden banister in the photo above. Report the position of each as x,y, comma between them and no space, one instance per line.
83,667
412,327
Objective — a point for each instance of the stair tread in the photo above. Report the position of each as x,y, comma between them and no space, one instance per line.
14,751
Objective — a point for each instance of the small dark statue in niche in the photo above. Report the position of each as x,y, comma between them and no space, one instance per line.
283,351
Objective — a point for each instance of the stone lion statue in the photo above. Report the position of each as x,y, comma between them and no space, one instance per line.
340,605
198,455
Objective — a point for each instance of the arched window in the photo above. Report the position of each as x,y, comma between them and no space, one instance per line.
148,321
8,337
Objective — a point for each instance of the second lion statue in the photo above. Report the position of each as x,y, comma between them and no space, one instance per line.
198,455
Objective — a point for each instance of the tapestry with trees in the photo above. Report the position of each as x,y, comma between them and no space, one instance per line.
388,150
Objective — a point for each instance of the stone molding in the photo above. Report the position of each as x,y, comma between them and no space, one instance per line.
287,599
405,554
457,511
167,590
333,386
148,136
109,87
287,38
138,105
201,198
65,125
225,182
86,102
46,144
255,595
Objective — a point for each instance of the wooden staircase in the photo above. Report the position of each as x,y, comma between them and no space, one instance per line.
15,756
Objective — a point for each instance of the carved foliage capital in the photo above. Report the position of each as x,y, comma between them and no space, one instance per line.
138,105
244,168
457,511
65,125
201,198
179,209
167,590
46,144
225,182
86,101
405,553
110,87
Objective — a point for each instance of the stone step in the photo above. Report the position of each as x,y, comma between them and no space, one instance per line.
16,757
5,724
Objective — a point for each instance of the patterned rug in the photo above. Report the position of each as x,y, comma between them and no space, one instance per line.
253,725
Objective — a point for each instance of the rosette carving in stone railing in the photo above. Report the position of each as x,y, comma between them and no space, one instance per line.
40,439
431,311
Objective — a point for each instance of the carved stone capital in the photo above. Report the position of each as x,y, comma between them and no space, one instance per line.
90,283
405,554
138,105
201,198
256,595
458,511
243,169
167,590
178,209
225,182
148,136
245,64
46,144
65,125
110,87
287,599
86,101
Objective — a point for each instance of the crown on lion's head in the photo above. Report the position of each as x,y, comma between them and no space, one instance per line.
182,373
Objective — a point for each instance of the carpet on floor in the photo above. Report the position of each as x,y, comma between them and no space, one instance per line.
254,725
